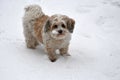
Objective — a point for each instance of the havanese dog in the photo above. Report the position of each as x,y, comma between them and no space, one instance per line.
54,32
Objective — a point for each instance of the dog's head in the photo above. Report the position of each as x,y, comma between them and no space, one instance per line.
59,26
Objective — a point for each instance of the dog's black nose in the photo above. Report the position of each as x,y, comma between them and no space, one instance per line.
60,31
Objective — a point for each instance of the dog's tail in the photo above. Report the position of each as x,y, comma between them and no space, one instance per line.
32,12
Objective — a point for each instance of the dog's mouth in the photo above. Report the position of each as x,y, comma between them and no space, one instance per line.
61,35
58,34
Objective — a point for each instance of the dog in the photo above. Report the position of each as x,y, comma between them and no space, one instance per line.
54,32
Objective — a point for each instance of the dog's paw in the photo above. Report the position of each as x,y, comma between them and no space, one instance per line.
31,47
66,54
53,59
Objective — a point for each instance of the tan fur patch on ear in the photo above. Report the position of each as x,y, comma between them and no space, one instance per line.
71,23
39,24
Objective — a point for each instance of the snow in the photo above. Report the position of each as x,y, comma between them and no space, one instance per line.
94,48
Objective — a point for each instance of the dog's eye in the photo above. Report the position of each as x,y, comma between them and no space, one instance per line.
63,25
55,26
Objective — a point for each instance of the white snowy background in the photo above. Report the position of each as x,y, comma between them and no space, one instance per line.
94,48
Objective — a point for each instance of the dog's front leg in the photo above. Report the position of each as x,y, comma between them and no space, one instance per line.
64,51
51,54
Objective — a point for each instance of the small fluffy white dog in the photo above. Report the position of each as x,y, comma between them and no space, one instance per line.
54,32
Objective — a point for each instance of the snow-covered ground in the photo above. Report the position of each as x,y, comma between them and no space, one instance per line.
94,48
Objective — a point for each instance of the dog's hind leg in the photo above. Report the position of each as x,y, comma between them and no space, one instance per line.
31,42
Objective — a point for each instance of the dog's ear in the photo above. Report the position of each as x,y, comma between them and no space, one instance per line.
70,24
47,26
